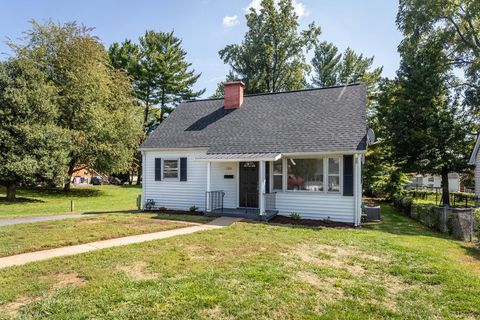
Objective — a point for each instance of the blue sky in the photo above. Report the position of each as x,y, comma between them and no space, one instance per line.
206,26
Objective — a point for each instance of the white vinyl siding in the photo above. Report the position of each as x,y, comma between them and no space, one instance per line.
172,193
316,205
181,195
230,186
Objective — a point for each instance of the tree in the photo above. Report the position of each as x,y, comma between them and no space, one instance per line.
32,145
271,56
424,121
331,68
161,78
94,101
457,23
160,72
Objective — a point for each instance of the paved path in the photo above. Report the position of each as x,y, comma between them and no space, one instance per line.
25,258
10,222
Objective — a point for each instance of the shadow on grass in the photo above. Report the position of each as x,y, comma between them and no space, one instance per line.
3,200
111,211
472,251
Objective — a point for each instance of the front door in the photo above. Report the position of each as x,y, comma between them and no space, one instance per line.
248,184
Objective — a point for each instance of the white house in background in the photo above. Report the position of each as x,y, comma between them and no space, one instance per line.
435,181
475,161
261,155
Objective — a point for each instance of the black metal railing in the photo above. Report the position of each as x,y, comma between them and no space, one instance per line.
214,200
270,201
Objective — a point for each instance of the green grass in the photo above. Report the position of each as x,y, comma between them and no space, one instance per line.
39,202
52,234
395,269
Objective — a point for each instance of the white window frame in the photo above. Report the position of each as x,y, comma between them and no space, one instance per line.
340,175
272,189
325,176
178,169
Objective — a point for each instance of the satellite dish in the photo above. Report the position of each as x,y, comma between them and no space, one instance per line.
370,137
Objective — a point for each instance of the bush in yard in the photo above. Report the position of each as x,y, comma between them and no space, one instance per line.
295,216
193,209
426,214
476,224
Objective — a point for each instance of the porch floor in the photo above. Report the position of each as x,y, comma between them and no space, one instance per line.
247,213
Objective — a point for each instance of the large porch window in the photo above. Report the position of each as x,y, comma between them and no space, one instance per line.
307,174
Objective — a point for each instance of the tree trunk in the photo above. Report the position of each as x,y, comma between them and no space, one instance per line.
445,189
71,168
139,174
11,191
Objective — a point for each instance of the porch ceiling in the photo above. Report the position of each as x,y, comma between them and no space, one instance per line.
235,157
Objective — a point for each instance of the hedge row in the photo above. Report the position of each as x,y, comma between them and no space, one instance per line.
425,194
432,217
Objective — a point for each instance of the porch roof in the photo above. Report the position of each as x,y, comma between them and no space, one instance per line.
235,157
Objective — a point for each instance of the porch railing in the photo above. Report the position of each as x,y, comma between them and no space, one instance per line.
214,200
270,201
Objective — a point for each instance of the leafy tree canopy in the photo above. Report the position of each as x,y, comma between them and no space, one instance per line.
423,119
271,56
94,101
32,146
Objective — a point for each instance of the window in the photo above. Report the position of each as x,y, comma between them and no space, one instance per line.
305,174
277,172
170,169
333,174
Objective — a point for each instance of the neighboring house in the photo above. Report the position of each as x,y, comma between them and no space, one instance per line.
475,161
428,181
262,154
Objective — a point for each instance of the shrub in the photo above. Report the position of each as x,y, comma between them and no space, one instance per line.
193,209
295,216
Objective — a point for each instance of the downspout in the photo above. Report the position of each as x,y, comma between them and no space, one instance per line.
144,168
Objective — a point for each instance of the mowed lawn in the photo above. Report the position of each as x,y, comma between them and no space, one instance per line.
40,202
52,234
396,269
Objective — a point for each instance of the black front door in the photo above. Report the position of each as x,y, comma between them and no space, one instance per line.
249,184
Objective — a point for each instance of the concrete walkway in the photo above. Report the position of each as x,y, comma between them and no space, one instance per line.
25,258
13,221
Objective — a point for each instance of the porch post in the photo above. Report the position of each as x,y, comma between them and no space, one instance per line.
261,188
209,169
357,188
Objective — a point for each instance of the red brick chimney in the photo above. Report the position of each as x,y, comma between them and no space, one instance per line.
233,94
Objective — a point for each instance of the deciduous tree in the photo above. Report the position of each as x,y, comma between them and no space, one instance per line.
94,101
271,57
32,145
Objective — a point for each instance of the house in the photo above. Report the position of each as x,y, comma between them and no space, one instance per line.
262,154
432,182
475,161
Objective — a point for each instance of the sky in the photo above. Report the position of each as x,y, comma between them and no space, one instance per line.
206,26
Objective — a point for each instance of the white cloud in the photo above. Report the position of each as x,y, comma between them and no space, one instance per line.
230,21
298,7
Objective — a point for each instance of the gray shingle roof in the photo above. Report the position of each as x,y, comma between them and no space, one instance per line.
317,120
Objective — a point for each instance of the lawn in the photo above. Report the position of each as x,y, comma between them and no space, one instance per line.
51,234
39,202
395,269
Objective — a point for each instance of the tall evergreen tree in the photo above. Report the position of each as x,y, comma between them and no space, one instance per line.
332,68
271,56
424,122
161,75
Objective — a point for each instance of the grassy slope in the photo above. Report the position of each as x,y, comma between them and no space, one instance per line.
397,269
38,202
51,234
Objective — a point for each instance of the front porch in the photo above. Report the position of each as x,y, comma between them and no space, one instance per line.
246,213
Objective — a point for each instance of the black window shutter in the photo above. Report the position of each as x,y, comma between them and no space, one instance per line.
158,169
183,169
348,175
